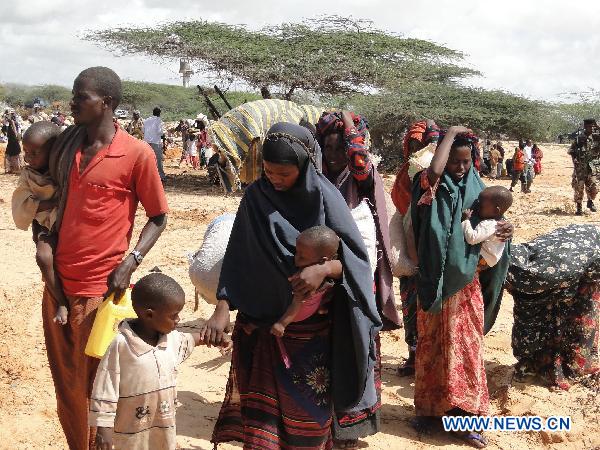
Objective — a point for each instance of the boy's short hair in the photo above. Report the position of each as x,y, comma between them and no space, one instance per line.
500,196
323,239
43,130
154,290
106,82
156,111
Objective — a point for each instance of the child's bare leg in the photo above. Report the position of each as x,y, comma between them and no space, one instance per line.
45,260
278,328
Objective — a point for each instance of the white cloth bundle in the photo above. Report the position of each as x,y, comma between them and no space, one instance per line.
366,225
205,264
400,239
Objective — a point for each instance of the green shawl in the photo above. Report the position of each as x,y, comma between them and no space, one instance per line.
446,262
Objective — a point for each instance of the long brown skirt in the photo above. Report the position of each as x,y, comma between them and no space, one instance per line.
72,371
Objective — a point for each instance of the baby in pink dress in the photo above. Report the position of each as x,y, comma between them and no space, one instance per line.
315,245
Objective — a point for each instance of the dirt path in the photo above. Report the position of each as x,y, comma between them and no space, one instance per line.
27,405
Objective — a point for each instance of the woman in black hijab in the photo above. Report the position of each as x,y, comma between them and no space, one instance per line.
267,405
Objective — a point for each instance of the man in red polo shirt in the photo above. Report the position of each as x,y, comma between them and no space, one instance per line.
102,173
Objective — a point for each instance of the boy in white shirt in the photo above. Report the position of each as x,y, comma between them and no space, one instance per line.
135,391
154,134
493,202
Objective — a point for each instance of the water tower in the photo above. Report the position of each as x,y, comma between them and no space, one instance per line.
186,71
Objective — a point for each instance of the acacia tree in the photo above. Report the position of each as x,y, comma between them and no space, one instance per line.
346,63
334,55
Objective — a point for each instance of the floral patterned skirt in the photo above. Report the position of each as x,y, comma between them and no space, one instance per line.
268,406
555,283
449,368
555,335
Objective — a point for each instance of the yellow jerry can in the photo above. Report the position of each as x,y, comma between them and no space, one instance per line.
106,324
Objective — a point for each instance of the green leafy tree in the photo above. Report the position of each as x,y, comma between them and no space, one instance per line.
333,55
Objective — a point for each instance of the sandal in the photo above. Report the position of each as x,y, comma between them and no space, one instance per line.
471,438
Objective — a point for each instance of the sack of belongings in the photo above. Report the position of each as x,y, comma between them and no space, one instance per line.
239,134
205,264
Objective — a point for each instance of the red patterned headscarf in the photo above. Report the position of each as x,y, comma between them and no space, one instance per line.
331,122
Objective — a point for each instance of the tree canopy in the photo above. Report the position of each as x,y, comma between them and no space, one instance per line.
333,55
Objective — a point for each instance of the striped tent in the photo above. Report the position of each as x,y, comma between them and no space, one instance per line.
239,133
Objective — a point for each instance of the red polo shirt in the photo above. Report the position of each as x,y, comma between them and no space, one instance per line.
101,204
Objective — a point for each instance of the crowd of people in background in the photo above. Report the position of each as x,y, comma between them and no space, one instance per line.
14,126
522,167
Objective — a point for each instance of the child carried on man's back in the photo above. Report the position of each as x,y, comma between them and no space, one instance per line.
34,203
134,395
493,202
314,246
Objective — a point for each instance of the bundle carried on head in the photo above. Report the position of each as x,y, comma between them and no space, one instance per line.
240,132
424,132
332,122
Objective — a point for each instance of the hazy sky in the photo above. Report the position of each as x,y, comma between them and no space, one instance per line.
536,48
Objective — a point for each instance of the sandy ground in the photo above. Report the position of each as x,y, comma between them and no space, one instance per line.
27,406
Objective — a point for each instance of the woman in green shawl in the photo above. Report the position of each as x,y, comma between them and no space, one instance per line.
452,293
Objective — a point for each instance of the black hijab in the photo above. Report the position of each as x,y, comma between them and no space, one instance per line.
260,258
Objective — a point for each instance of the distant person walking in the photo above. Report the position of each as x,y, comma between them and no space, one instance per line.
13,160
518,166
527,175
501,159
154,134
585,152
495,162
203,143
537,156
136,126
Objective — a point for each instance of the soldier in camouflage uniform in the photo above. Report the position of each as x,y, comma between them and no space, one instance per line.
136,126
585,152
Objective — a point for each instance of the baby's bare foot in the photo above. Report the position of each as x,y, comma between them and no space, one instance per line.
61,316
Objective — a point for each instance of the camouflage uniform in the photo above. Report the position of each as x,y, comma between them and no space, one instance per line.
136,128
585,152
